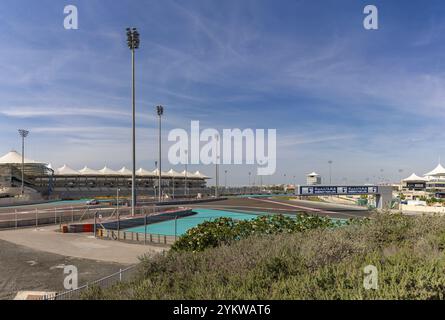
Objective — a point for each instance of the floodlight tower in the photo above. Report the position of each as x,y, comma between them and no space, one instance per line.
160,111
133,44
23,133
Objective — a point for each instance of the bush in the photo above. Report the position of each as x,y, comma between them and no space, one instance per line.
321,263
224,231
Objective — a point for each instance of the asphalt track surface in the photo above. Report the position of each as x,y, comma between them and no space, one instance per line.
272,205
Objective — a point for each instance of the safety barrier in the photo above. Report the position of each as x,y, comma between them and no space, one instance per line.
103,283
135,237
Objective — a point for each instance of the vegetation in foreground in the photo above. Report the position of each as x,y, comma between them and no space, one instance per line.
322,263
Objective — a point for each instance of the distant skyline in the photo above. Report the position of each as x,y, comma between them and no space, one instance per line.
367,100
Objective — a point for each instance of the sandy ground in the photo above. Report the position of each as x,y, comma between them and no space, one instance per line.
23,268
33,259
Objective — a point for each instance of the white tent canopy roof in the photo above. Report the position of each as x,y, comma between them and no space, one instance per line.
198,174
89,172
313,174
189,174
66,171
108,171
143,172
414,178
124,171
438,171
172,173
13,157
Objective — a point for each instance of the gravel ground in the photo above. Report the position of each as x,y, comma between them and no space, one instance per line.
22,268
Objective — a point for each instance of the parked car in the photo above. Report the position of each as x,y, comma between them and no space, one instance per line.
92,202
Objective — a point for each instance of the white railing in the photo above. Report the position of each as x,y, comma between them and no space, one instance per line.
106,282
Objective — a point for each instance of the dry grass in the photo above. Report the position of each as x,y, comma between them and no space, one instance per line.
318,264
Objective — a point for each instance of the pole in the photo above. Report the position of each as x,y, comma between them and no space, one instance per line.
185,187
160,164
133,173
23,166
173,187
145,229
117,201
176,226
94,227
16,218
118,225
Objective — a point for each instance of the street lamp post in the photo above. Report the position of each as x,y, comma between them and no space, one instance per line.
160,111
117,200
23,133
216,167
330,172
225,179
185,178
133,44
154,182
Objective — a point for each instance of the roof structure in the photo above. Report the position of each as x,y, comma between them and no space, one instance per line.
414,178
143,172
438,171
13,157
89,172
313,174
124,171
198,174
107,171
67,171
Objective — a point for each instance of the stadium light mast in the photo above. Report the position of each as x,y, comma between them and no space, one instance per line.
185,178
216,167
160,111
23,133
330,172
133,44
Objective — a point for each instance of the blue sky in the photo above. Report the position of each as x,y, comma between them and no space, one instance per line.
367,100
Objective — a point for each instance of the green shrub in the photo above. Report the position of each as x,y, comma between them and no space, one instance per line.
224,231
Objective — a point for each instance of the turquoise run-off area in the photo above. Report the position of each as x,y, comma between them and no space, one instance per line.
183,224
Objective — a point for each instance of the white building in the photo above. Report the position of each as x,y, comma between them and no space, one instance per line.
313,179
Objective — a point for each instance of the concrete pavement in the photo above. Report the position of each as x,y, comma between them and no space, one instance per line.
79,245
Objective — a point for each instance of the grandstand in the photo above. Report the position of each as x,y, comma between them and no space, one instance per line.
68,183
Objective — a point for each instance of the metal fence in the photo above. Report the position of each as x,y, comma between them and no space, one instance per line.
138,237
59,216
103,283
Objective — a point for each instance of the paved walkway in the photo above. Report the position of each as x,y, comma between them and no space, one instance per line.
79,245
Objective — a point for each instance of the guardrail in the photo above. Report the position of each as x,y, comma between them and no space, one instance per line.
138,237
76,294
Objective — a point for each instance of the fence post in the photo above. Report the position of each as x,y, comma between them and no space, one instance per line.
176,226
118,224
120,275
16,218
94,227
37,219
55,215
72,214
145,229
